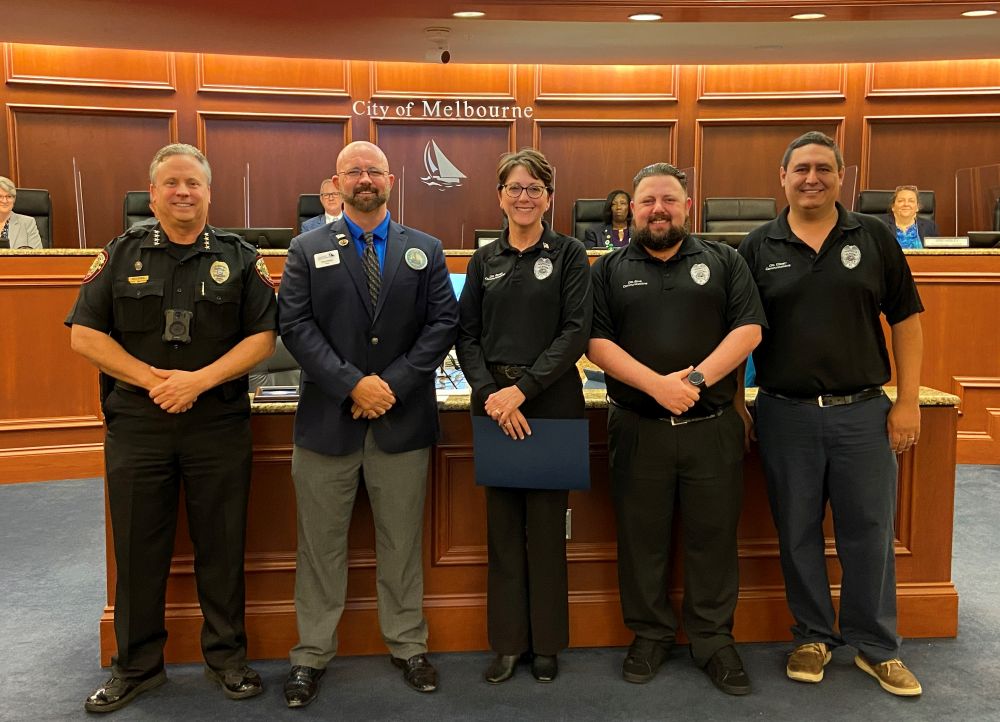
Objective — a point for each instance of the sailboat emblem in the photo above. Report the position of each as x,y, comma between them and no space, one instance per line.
441,172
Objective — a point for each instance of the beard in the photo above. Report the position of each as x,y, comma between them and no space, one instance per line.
661,241
366,204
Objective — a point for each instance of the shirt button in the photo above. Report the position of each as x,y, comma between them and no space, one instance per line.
178,290
374,340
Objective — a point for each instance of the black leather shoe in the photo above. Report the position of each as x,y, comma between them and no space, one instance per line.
302,685
236,683
418,672
119,691
644,658
725,669
545,667
501,668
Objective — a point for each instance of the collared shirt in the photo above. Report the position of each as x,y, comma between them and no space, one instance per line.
140,275
672,314
825,334
327,218
527,308
380,238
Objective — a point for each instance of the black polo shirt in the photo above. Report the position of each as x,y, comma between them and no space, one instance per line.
527,308
672,314
140,275
825,335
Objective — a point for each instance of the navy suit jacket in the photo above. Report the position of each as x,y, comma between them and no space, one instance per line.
328,324
925,226
313,223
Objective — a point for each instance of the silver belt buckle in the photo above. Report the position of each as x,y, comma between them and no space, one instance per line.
819,400
510,372
674,421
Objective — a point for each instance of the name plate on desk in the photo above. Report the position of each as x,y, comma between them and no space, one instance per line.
946,242
276,393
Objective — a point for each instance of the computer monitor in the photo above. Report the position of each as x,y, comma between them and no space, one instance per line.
265,237
482,237
984,239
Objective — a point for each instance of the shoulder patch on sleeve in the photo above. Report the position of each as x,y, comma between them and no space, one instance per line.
262,271
100,261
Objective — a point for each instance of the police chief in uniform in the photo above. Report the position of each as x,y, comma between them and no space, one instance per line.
367,309
827,432
673,318
174,315
524,323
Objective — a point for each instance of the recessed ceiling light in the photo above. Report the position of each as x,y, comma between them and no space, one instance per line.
645,17
978,13
809,16
468,14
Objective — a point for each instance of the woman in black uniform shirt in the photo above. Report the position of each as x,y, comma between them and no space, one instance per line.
524,322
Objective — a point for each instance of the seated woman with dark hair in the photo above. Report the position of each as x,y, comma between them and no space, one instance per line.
902,218
617,219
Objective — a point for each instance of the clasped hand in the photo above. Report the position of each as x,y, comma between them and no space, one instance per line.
177,391
503,406
674,393
372,398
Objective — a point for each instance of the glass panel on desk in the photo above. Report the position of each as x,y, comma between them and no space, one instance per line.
977,199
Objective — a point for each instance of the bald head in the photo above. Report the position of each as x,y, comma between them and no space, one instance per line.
361,146
363,178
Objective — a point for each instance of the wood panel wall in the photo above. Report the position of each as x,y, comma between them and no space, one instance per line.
272,128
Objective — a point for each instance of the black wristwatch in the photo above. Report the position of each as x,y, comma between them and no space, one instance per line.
696,378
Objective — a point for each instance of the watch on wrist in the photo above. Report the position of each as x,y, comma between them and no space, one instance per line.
696,378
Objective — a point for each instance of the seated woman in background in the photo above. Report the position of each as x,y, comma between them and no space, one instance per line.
16,231
902,218
617,218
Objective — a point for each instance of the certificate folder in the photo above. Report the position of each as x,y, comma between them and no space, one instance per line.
555,456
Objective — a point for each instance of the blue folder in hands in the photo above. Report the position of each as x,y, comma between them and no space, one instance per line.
555,456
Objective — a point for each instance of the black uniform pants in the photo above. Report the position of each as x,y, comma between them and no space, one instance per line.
149,455
655,466
527,606
839,454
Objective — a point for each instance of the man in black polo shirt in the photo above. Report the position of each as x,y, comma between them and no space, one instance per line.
826,430
673,317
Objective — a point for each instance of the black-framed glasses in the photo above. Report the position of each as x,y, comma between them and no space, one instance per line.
514,190
329,196
356,173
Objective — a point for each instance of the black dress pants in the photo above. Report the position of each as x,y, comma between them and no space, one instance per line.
149,456
527,604
654,467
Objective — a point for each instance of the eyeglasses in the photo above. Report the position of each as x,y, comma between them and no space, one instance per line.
514,190
356,173
6,199
329,196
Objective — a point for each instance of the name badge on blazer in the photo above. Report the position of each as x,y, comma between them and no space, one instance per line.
326,258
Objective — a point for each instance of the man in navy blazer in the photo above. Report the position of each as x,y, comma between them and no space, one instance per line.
367,309
332,207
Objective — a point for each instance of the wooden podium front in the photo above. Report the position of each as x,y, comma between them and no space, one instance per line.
455,549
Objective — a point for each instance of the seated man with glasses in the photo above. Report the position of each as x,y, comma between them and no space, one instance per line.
333,207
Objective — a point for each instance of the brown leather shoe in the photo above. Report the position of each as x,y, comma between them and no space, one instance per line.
806,662
892,676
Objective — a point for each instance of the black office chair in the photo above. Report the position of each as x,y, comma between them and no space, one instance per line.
587,213
136,210
281,369
876,203
37,203
736,215
309,207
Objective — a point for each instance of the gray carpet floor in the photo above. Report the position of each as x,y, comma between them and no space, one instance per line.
52,593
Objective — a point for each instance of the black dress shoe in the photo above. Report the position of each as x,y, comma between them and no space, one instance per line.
501,668
119,691
418,672
236,683
302,685
545,667
644,658
725,669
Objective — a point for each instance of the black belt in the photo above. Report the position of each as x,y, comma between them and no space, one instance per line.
510,371
825,400
676,420
130,387
225,390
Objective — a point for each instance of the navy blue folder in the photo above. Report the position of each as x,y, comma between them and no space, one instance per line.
555,456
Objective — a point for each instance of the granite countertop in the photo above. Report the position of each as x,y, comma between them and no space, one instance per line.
597,399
